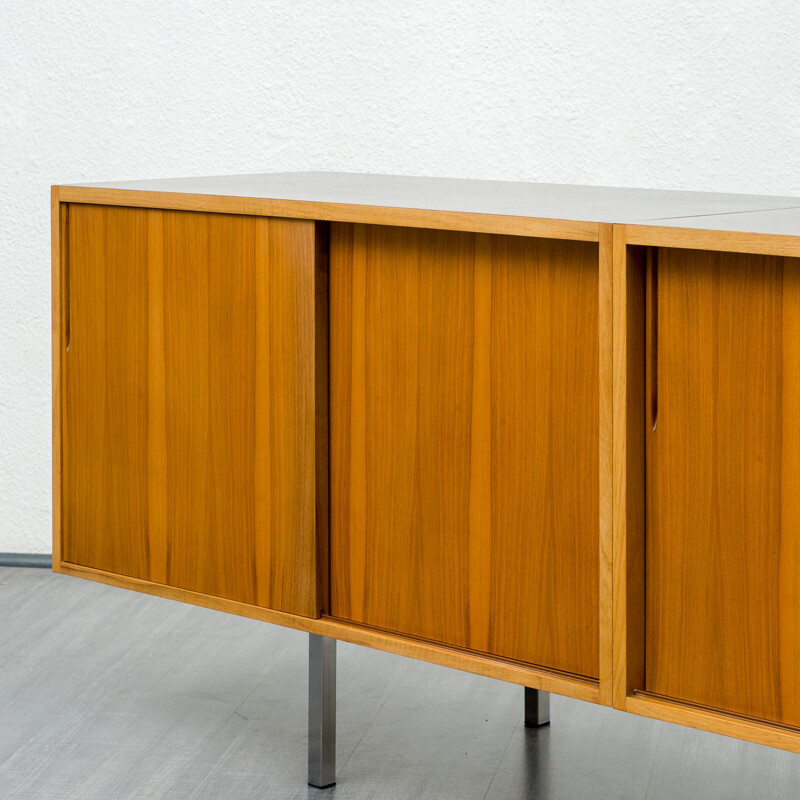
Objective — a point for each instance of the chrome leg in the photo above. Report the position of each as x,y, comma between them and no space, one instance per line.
537,708
321,711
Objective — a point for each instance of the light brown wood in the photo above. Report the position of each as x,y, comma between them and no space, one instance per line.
715,722
105,390
479,539
605,449
193,410
338,212
705,237
157,441
723,467
464,380
628,470
491,667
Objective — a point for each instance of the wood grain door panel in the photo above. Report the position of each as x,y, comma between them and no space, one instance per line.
464,440
190,418
723,463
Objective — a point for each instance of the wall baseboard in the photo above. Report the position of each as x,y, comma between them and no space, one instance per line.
43,560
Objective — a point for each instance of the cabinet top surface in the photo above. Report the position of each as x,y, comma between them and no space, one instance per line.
457,195
774,222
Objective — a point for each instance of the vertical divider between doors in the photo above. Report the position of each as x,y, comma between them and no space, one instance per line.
629,339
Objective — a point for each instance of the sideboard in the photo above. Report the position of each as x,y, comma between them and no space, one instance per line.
547,434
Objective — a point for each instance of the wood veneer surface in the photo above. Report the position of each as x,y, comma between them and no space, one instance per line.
723,470
464,440
189,402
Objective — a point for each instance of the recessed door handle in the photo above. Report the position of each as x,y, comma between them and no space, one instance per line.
65,283
652,290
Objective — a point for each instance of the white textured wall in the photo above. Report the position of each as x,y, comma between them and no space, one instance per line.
686,94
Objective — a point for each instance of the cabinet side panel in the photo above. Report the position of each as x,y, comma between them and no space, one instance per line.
722,534
105,391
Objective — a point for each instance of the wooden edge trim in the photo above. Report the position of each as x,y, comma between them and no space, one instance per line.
347,632
56,240
337,212
714,722
727,241
605,373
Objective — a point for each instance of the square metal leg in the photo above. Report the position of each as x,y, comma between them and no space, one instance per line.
321,711
537,708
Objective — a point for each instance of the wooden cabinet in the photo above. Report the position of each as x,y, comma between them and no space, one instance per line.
189,409
464,440
554,429
723,482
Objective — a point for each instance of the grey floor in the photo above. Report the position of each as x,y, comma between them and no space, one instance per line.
110,694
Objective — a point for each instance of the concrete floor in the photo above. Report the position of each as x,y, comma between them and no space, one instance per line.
110,694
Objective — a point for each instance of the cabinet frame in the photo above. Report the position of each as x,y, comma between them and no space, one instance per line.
629,493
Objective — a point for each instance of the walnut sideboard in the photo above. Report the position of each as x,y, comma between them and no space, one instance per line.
548,434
